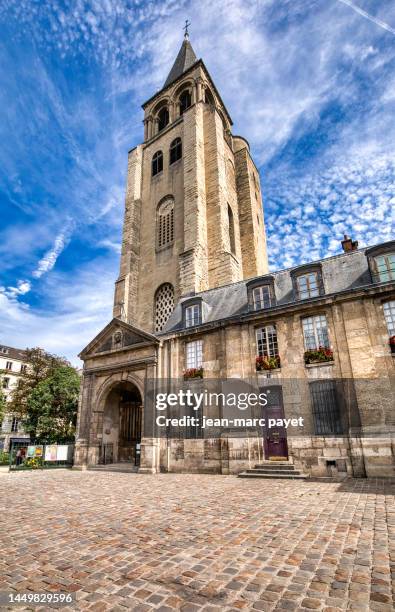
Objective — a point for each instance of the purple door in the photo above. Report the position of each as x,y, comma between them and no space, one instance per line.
275,438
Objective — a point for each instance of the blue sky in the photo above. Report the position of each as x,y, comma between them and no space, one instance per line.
310,84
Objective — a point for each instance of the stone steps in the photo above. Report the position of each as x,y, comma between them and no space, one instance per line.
273,469
115,467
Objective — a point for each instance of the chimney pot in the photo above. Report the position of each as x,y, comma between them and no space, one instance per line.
348,244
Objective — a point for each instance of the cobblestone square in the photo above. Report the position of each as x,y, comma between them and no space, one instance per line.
198,542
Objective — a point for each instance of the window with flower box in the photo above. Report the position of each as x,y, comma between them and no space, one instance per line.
316,340
194,359
267,348
389,313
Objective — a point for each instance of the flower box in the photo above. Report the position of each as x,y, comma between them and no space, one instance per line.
320,355
263,362
392,344
193,373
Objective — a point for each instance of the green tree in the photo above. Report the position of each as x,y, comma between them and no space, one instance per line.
52,406
3,406
40,365
45,397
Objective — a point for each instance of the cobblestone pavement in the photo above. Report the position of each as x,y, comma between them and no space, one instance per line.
197,542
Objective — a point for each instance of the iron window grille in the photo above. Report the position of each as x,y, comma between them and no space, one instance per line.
315,332
14,424
165,223
164,305
325,408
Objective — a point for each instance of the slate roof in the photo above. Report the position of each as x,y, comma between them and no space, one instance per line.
185,59
12,353
340,273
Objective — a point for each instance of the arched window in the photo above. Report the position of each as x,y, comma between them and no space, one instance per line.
185,101
157,163
208,97
164,305
165,222
163,118
232,242
175,150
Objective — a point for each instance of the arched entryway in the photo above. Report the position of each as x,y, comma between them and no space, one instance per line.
122,420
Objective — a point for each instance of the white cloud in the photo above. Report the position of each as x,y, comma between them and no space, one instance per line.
23,287
76,310
47,262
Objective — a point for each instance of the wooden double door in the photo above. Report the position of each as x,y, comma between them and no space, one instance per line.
130,416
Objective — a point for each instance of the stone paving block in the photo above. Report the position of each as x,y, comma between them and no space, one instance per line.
193,542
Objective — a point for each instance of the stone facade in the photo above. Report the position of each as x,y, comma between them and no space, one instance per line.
12,366
216,260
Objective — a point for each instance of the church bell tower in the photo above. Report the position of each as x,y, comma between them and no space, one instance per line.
193,210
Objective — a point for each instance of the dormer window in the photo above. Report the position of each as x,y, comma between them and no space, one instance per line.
163,118
381,260
262,297
307,282
261,293
192,315
193,311
175,150
185,101
157,163
384,267
307,285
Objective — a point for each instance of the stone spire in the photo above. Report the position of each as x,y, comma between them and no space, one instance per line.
185,59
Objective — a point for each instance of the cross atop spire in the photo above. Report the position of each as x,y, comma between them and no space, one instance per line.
185,59
186,26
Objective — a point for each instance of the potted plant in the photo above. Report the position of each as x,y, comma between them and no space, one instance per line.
193,373
264,362
392,344
320,355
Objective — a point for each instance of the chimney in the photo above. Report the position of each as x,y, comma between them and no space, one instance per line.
348,244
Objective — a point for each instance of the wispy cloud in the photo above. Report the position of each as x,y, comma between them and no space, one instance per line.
48,261
309,84
23,287
368,16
